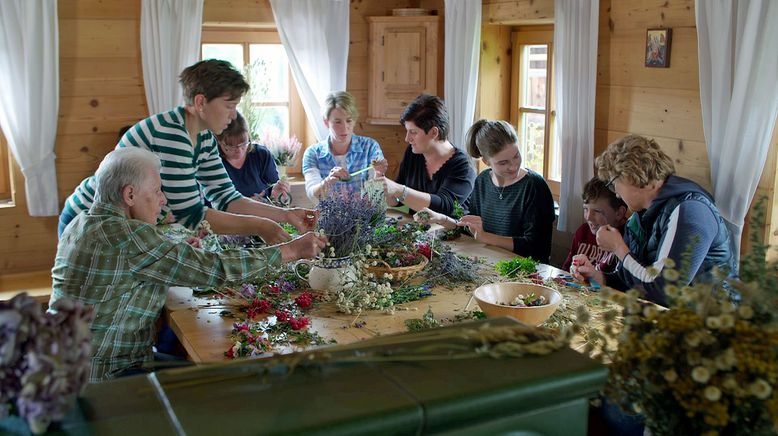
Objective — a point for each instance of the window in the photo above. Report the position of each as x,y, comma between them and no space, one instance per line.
531,101
272,103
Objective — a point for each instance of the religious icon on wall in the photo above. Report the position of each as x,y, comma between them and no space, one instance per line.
658,47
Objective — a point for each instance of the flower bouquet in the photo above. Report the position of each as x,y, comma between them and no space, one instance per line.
707,365
283,149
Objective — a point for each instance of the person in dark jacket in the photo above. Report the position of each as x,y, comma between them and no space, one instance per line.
674,219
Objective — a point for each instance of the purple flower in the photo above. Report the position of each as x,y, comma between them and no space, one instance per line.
248,290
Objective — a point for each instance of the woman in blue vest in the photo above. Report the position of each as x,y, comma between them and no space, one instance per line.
674,219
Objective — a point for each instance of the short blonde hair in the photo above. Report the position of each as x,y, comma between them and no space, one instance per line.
342,100
636,159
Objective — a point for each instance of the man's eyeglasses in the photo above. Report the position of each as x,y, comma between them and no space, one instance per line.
233,147
611,186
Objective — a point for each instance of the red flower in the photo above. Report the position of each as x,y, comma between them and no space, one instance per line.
304,300
230,354
283,316
274,289
425,250
298,323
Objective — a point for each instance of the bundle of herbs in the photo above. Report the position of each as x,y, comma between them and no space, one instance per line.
347,217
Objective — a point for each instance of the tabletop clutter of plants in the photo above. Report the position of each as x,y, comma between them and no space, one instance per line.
391,263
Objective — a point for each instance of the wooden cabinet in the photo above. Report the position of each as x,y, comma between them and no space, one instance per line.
404,56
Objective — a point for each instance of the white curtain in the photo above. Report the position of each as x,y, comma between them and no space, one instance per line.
170,33
575,77
463,45
29,95
315,35
738,54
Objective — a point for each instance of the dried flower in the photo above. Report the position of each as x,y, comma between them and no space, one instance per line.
283,149
700,374
760,389
712,393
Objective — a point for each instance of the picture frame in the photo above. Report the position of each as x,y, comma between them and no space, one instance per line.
658,47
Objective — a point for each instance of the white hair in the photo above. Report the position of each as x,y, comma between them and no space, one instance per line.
122,167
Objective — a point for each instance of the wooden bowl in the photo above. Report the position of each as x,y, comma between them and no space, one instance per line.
491,295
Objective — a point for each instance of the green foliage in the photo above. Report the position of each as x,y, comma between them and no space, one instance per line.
515,267
459,211
428,321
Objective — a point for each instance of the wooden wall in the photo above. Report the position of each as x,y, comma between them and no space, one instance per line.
101,90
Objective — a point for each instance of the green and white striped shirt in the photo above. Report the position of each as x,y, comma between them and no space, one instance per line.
123,267
186,169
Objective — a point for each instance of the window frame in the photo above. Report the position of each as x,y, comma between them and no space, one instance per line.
6,173
246,37
535,35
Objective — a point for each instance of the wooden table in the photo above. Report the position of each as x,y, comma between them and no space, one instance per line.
204,332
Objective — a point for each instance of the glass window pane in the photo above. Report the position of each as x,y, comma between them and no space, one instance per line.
532,131
270,73
232,53
533,72
274,119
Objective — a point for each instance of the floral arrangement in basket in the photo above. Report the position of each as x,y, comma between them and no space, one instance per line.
708,364
44,359
284,149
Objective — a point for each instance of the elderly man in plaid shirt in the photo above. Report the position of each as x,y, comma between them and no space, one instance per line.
113,258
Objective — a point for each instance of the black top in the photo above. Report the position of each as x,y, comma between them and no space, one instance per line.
257,173
525,212
452,182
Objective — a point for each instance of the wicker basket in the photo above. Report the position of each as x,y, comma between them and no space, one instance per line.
399,273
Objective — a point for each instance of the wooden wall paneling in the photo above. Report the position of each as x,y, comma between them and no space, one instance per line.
649,111
100,9
99,38
255,13
494,73
517,11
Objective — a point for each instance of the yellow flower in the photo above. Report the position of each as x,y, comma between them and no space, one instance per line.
728,307
760,389
670,375
672,291
633,307
729,383
692,339
649,312
745,312
671,275
713,322
727,321
700,374
670,263
712,393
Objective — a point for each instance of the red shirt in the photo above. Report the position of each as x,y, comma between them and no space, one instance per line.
585,242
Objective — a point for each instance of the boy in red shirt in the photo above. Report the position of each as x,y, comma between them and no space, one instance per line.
601,206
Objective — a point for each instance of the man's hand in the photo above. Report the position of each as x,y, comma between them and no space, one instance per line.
306,246
583,270
302,219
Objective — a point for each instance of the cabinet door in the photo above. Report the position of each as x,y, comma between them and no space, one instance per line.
404,57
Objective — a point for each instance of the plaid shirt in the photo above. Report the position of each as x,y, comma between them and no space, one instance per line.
123,267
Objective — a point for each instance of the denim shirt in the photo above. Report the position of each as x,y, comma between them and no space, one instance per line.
319,160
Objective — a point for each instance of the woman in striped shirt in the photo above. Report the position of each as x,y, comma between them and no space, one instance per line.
192,170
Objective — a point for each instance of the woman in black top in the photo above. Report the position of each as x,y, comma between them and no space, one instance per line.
433,173
510,207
